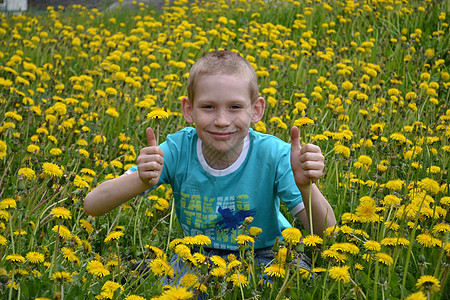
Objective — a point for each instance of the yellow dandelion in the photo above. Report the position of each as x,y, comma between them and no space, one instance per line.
158,252
69,254
417,296
52,169
15,258
428,283
160,267
158,113
134,297
111,286
218,261
63,231
340,274
55,151
384,258
189,280
398,137
199,258
218,271
303,121
292,235
275,270
114,235
161,203
8,203
367,212
35,257
429,185
312,240
427,240
238,279
86,225
61,213
112,112
178,293
391,200
395,185
27,173
62,276
183,251
96,268
111,91
254,231
244,239
441,228
234,264
372,245
342,150
201,240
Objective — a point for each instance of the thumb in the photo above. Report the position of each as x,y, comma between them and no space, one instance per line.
295,138
150,137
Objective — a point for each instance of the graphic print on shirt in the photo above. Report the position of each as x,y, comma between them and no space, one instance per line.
232,220
219,218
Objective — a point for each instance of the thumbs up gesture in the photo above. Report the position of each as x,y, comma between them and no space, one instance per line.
150,161
307,162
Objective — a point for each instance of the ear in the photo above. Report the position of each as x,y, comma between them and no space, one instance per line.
186,107
258,109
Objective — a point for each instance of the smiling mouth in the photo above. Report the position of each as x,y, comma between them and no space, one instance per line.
222,135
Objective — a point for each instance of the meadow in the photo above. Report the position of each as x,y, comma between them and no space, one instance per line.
368,81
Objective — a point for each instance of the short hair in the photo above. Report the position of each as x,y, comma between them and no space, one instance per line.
223,62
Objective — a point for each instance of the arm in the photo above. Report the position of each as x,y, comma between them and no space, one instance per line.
115,192
307,165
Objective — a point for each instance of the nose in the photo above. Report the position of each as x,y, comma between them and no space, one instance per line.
222,119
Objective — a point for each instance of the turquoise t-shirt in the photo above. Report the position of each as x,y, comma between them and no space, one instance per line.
216,202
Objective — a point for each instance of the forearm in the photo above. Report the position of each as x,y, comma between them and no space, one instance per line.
112,193
322,213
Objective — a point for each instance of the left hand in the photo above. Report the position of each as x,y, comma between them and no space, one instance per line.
307,162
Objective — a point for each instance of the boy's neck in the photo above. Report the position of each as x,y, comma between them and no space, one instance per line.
221,160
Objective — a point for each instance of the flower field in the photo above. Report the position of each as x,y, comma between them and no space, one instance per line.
368,81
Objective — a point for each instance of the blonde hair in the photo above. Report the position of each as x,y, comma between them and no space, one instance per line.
223,62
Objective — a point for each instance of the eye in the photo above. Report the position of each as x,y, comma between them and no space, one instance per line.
207,107
236,106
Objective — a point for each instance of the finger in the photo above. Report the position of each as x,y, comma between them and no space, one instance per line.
312,165
152,153
313,174
150,137
151,165
295,138
312,156
311,148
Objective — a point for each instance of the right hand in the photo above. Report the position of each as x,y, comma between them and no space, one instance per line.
150,161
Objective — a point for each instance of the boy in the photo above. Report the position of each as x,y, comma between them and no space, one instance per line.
223,171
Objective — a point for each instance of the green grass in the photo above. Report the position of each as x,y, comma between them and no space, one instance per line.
71,58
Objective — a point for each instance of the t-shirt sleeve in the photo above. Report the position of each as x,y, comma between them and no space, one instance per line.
287,189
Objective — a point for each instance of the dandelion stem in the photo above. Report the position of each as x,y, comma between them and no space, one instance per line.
240,285
157,133
12,283
53,267
441,255
411,242
170,224
310,209
118,260
11,231
375,282
285,284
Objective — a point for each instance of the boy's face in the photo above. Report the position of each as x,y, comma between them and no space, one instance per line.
222,113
